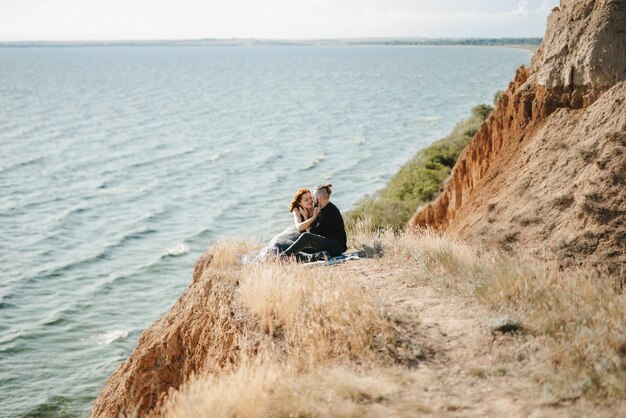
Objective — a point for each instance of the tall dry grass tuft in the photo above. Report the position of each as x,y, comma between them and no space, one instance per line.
319,313
424,255
269,390
583,317
224,253
241,393
370,241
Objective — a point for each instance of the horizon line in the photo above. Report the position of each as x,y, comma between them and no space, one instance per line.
248,39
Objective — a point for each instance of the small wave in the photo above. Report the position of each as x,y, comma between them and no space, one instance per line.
109,284
30,205
178,250
431,118
107,188
20,164
271,161
359,140
56,320
201,237
110,336
76,210
218,155
366,157
153,216
315,162
148,187
6,305
120,172
160,159
103,254
131,237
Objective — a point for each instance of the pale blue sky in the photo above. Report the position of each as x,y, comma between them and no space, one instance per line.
272,19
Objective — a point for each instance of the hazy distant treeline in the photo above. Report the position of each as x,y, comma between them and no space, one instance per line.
457,41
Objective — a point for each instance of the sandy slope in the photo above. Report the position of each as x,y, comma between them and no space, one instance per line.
561,192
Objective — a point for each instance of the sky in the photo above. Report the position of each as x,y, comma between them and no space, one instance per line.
75,20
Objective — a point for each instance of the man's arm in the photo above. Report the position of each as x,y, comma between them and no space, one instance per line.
301,224
317,226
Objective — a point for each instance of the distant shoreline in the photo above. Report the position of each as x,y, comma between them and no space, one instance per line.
519,43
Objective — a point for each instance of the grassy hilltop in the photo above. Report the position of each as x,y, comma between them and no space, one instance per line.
427,325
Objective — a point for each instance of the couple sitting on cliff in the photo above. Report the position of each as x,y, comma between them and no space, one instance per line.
318,232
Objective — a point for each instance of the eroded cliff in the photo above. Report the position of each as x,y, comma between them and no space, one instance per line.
547,169
197,335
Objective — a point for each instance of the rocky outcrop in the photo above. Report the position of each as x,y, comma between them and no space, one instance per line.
584,45
552,150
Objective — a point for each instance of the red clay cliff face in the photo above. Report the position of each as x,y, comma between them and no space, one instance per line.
519,112
548,165
200,334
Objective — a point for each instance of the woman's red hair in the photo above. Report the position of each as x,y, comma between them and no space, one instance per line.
297,198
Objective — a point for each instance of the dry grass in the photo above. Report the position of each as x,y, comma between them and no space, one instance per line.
224,253
582,314
282,327
318,313
319,341
272,391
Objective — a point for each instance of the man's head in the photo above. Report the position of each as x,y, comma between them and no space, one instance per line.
322,194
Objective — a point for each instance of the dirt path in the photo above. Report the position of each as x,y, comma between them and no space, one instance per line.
468,369
476,373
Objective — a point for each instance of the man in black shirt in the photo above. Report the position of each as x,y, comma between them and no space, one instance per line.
328,233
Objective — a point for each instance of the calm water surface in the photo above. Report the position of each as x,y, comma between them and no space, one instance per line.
120,165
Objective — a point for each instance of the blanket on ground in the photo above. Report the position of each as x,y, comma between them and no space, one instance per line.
257,257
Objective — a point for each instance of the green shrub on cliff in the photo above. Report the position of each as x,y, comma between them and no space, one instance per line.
420,179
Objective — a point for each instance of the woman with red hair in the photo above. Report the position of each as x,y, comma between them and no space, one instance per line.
304,215
303,210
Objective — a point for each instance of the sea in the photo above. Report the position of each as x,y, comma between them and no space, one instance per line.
120,165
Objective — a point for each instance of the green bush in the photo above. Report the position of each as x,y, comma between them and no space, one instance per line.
419,180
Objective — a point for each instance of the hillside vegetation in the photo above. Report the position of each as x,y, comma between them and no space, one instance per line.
407,332
419,180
